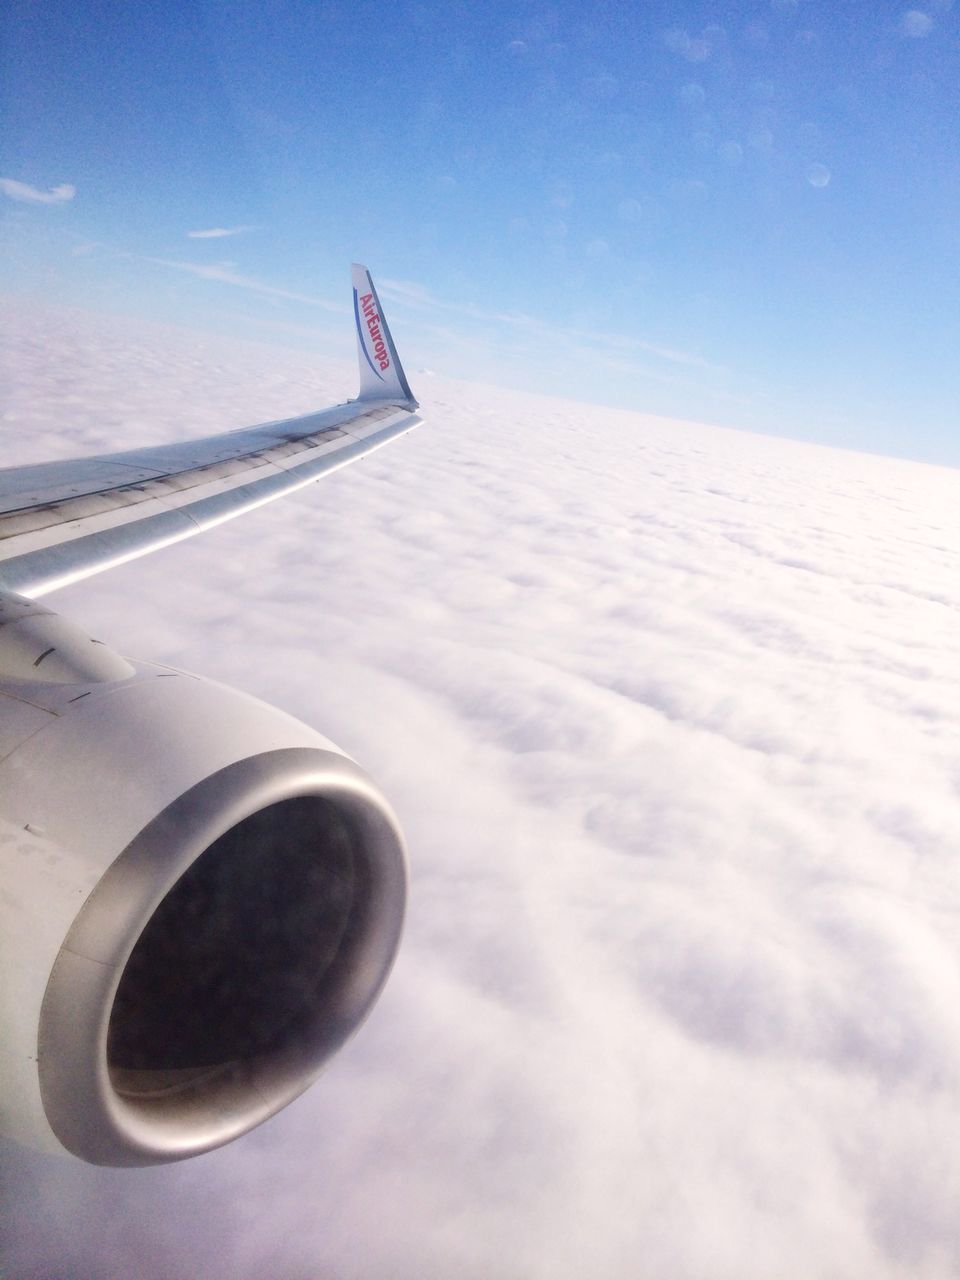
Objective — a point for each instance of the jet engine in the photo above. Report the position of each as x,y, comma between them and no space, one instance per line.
201,900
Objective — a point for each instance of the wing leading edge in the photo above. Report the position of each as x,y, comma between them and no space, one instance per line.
63,521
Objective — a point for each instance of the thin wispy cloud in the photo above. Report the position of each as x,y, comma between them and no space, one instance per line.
628,342
224,273
412,293
219,233
418,297
26,194
915,24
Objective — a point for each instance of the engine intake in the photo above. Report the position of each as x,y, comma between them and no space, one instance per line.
171,1027
242,886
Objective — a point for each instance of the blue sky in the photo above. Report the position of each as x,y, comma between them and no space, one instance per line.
743,213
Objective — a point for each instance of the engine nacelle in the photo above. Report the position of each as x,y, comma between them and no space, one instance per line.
201,900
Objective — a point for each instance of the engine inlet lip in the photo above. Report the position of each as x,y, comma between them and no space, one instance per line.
88,1114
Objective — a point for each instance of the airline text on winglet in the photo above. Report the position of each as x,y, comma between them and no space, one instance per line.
376,337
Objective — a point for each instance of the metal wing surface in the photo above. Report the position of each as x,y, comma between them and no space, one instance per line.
63,521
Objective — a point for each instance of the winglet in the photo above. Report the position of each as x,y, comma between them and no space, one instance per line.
381,373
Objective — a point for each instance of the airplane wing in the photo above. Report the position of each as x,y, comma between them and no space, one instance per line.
63,521
202,896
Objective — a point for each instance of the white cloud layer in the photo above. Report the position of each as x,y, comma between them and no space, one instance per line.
26,194
670,715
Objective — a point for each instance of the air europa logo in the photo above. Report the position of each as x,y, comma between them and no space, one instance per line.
373,325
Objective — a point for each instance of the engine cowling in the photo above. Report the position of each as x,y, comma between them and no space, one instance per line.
202,898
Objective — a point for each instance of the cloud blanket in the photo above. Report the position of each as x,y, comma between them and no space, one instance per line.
671,717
